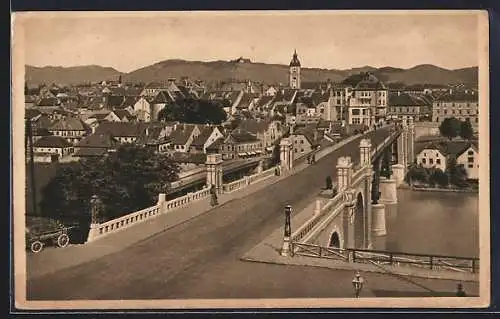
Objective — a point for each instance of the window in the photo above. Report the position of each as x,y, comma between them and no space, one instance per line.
470,153
431,161
437,154
355,111
438,161
470,159
445,112
301,141
425,154
423,161
301,150
296,150
470,165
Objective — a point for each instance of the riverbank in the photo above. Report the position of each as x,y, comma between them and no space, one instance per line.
442,190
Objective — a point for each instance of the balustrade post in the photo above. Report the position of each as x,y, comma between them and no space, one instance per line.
473,266
431,262
391,258
353,256
320,251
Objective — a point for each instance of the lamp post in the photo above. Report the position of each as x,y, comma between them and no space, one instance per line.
288,232
357,284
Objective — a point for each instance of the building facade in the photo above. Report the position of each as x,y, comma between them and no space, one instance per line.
460,105
294,73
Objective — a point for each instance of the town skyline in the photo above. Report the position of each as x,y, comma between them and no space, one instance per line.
375,40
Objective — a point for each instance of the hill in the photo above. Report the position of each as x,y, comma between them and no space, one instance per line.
69,75
244,69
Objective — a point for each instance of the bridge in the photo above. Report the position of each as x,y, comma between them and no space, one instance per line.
200,257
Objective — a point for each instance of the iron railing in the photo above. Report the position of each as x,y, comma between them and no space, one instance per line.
433,262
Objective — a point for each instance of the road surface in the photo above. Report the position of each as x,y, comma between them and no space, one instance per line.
200,258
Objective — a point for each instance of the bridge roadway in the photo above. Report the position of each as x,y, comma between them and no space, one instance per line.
200,258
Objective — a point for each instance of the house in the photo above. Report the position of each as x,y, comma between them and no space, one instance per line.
267,131
55,147
433,156
208,135
405,107
107,116
147,108
368,103
182,137
155,137
70,128
461,105
124,132
241,145
96,145
304,141
469,159
437,155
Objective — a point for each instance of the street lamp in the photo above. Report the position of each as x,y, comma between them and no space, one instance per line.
357,283
288,232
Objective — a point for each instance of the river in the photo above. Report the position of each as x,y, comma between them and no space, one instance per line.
432,223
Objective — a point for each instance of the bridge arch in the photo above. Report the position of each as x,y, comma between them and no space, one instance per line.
359,221
335,239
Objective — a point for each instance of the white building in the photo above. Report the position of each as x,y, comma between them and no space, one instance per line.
368,103
469,159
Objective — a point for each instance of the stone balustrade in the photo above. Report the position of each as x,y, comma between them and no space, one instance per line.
100,230
247,180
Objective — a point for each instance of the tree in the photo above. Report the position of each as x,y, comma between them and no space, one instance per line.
417,173
450,128
457,173
194,111
439,177
466,131
125,181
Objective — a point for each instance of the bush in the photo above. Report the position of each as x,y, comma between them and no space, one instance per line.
329,184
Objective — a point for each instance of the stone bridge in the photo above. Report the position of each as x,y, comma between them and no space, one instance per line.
356,213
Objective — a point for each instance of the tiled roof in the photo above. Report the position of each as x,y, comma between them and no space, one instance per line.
98,140
453,148
100,116
181,134
215,146
128,101
458,97
43,122
122,113
246,100
153,136
263,101
370,82
195,158
324,124
404,99
115,100
309,133
69,124
254,126
122,129
243,137
295,60
52,141
203,137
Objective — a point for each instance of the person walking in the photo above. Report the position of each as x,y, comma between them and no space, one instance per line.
213,196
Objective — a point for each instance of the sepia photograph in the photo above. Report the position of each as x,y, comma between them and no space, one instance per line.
250,159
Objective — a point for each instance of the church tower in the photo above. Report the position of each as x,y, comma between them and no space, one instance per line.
294,74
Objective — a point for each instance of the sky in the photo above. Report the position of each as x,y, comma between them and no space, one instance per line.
333,40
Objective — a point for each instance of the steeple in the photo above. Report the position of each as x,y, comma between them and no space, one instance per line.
295,60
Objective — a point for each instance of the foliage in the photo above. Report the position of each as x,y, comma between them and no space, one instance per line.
450,127
194,111
466,131
458,174
417,173
438,177
125,181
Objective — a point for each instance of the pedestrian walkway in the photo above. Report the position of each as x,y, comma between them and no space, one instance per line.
268,251
53,259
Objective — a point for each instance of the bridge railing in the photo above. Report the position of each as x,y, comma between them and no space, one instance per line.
142,215
247,180
310,224
433,262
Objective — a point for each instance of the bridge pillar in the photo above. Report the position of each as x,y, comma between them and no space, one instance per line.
398,172
214,171
286,156
388,191
365,147
344,172
411,142
260,167
379,222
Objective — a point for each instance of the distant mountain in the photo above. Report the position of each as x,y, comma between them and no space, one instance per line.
244,69
69,75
